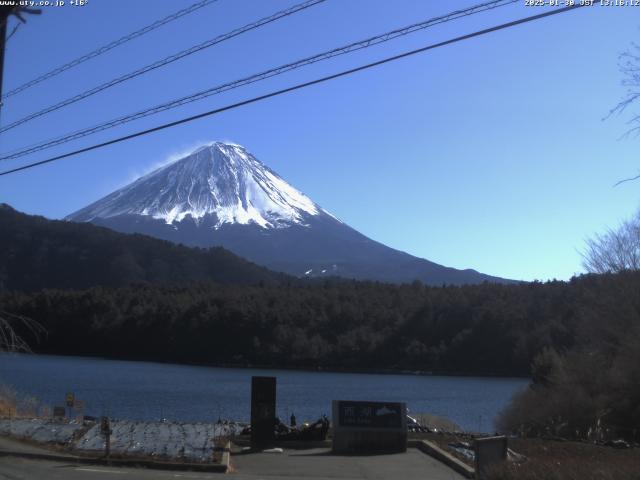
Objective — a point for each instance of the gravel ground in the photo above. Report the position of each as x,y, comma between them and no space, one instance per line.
41,431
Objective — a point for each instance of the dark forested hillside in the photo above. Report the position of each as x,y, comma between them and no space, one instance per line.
481,329
39,253
98,292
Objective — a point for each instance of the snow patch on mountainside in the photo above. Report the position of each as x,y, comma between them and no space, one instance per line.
221,179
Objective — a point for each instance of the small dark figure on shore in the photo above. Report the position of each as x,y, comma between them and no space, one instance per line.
325,426
293,420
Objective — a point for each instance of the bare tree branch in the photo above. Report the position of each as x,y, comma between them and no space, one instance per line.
627,180
10,340
629,66
615,250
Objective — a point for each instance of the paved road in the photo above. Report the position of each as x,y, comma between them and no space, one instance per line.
23,469
12,445
312,464
320,464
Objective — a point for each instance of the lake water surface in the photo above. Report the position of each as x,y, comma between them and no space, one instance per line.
150,391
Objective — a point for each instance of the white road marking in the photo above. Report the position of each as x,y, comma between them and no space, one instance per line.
97,470
101,471
188,476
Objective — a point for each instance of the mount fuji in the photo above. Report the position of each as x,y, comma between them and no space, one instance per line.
221,195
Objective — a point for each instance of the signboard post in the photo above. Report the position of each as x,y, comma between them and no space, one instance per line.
105,429
59,413
69,398
263,411
369,427
78,406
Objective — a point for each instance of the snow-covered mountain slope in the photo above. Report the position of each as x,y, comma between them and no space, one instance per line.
219,179
221,195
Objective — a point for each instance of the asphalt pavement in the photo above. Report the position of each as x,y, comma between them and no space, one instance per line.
13,468
316,464
320,464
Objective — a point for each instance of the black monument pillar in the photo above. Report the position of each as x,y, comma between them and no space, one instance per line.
263,411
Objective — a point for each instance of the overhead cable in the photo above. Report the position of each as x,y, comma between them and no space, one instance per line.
296,87
366,43
163,62
109,46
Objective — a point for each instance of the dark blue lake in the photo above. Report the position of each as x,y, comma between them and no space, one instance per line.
150,391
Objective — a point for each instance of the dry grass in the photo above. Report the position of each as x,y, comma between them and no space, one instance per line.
571,470
8,402
553,460
14,405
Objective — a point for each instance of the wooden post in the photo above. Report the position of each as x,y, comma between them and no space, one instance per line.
105,429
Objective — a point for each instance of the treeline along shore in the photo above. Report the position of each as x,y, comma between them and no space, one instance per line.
486,329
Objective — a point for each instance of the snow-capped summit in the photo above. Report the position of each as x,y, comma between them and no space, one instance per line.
219,179
221,195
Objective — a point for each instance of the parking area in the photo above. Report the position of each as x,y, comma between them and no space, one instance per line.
322,464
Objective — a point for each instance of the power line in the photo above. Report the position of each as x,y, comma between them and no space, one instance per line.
369,42
298,87
109,46
13,31
166,61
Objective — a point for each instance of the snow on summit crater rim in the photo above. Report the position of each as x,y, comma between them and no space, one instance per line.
219,178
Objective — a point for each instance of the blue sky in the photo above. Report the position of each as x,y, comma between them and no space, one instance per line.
488,154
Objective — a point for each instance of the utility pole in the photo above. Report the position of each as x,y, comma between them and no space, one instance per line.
5,12
4,19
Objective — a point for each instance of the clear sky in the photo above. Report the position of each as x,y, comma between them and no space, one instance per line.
488,154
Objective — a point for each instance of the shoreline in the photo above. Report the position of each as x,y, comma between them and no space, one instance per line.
319,369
